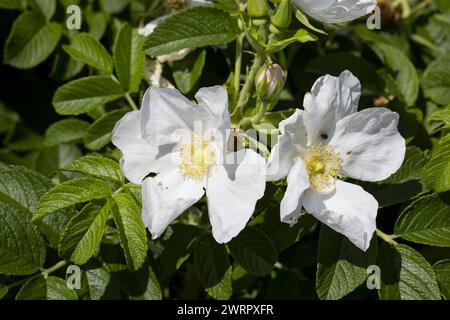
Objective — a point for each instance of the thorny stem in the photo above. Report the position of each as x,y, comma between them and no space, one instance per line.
388,238
238,66
44,273
246,89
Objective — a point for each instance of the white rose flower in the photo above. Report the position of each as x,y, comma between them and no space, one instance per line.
336,11
329,140
184,144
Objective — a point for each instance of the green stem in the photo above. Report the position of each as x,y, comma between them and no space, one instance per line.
238,66
127,95
261,112
247,88
131,102
44,273
388,238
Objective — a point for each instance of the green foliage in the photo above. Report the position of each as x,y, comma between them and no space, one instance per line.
51,288
133,237
85,48
70,193
83,233
99,133
65,131
254,251
196,27
427,221
341,267
86,94
411,276
31,41
129,58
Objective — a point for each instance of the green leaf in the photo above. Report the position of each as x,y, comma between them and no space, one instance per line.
83,233
50,288
98,166
439,120
191,28
177,249
139,285
19,257
412,166
31,41
301,36
44,7
133,237
213,268
13,4
99,133
187,72
129,58
254,251
426,221
85,48
52,226
101,285
50,160
71,192
69,130
406,78
406,275
21,189
341,267
442,271
85,94
305,21
436,80
437,171
3,291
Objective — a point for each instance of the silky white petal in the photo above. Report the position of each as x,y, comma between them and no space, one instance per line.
350,211
291,139
370,146
168,117
331,99
297,184
151,26
174,56
336,11
138,157
232,193
165,197
215,101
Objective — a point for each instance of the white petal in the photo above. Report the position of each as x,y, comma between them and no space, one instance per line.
215,101
196,3
291,139
165,197
370,146
138,157
174,56
297,184
168,117
331,99
150,27
336,11
349,210
232,195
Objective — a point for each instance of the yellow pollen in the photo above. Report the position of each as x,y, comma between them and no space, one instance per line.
322,164
197,158
176,5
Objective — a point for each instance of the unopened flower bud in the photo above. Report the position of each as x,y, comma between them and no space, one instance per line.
257,8
269,82
282,17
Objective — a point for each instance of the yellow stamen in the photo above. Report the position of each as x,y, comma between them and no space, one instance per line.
323,164
197,158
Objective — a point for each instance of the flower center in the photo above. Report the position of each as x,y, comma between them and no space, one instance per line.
197,158
323,164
